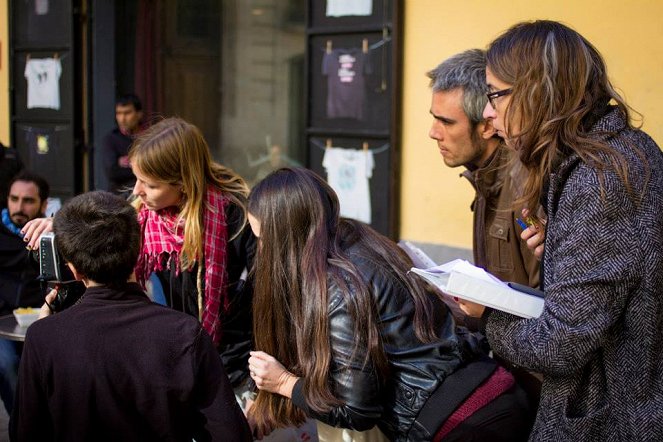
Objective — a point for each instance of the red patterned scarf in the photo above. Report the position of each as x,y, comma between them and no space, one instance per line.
163,238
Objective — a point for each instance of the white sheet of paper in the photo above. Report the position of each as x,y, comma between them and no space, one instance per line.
464,267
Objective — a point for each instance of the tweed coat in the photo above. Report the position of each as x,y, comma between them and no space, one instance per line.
599,340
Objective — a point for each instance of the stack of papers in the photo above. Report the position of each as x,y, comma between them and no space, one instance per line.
459,278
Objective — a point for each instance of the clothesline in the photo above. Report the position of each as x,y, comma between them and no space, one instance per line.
370,47
58,128
55,55
375,151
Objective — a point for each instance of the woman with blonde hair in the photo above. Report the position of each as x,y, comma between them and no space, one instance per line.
599,340
195,236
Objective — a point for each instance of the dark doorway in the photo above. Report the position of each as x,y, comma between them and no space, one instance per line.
168,53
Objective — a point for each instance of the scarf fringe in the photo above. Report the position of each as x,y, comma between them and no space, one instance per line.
150,263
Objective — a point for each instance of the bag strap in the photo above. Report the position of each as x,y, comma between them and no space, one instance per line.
452,392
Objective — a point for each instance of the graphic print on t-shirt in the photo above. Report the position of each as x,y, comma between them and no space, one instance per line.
348,173
346,71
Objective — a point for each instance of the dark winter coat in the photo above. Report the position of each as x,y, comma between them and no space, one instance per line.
116,145
19,272
118,367
599,340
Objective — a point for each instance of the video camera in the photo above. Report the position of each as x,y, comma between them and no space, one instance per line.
54,272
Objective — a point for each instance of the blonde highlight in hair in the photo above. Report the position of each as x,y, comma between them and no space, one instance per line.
175,152
560,87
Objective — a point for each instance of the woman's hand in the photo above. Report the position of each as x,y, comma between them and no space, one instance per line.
534,236
45,309
270,375
471,309
34,229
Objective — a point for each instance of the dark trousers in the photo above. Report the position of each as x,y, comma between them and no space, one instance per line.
9,358
508,418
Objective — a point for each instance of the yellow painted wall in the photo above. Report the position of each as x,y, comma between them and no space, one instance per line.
4,73
434,200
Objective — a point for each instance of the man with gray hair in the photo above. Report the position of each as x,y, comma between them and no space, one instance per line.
465,138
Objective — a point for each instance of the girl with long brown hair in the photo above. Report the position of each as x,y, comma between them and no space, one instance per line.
346,337
599,340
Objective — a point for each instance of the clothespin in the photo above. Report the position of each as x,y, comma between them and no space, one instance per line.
329,46
364,146
364,46
56,55
27,57
328,143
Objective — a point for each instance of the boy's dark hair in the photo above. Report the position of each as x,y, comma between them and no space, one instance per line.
129,99
31,177
98,233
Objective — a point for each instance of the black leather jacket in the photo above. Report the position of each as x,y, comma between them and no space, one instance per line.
416,368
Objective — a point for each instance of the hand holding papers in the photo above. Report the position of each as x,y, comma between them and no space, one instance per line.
461,279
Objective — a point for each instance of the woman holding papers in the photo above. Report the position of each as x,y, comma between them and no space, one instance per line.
599,340
346,337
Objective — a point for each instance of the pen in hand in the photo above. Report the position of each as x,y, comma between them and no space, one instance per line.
535,236
521,223
530,221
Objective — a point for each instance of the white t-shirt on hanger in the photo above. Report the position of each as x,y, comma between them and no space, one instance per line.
348,172
43,76
340,8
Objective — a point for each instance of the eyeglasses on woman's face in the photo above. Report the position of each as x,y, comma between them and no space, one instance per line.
492,96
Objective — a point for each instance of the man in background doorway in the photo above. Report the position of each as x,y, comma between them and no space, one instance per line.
116,145
19,284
